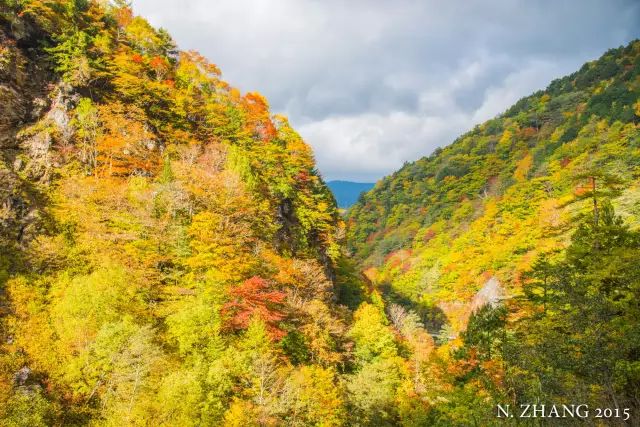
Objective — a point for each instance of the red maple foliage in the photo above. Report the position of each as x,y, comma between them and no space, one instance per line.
302,176
255,297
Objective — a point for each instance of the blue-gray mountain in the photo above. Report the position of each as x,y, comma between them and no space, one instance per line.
347,192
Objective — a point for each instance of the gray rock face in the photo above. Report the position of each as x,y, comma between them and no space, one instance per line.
491,293
13,101
23,102
13,111
37,141
22,375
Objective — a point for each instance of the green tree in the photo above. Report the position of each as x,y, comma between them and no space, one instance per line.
591,318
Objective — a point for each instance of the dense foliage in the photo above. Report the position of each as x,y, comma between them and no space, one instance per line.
502,194
168,253
507,245
170,256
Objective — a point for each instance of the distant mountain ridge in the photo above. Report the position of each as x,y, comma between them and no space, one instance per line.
348,192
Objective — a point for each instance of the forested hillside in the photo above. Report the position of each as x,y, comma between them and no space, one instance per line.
502,194
168,253
516,244
170,256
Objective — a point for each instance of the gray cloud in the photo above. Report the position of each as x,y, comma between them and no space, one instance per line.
371,84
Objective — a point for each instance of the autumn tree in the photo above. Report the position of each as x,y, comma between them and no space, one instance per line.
126,145
255,298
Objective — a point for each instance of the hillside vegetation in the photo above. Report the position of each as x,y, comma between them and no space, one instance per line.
168,252
517,246
170,256
502,194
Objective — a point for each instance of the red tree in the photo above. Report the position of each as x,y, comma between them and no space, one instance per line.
255,297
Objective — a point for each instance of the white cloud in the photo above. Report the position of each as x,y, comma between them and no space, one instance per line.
372,84
531,77
363,147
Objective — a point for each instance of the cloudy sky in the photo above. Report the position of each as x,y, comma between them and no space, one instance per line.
372,84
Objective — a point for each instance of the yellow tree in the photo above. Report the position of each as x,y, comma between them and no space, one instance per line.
125,146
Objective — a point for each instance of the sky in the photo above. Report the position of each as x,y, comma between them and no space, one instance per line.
371,84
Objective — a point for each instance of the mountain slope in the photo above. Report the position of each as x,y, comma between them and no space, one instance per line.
164,238
517,247
169,255
487,205
347,192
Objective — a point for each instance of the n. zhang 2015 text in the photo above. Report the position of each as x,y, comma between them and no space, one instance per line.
560,411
